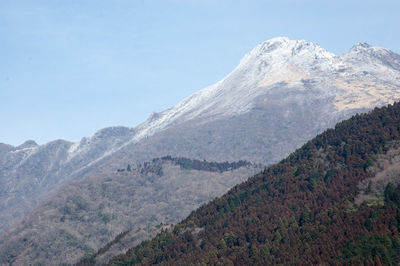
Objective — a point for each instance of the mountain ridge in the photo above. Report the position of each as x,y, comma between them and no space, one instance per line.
266,47
270,104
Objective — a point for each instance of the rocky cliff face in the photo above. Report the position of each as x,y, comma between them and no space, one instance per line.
281,94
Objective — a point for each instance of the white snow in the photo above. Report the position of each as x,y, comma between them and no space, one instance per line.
284,60
357,79
271,62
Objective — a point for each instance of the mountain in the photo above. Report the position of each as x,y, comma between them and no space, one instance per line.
137,201
29,173
334,201
282,93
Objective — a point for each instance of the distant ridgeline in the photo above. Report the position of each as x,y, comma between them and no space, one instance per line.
186,163
300,211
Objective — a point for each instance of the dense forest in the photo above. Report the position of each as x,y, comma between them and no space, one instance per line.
300,211
186,163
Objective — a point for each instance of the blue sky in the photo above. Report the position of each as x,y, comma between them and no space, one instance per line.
71,67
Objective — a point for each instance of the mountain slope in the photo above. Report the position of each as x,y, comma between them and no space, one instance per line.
282,93
29,173
301,211
85,215
288,90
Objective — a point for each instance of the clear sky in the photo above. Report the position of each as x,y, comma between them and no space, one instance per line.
71,67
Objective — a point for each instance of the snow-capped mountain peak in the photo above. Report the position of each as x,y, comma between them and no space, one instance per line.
281,94
367,49
281,50
283,61
373,58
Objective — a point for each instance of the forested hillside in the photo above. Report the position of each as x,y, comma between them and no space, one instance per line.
128,205
302,210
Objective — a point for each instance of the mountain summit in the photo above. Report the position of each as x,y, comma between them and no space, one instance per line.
275,61
365,77
282,93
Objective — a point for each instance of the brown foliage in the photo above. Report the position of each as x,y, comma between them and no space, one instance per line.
295,212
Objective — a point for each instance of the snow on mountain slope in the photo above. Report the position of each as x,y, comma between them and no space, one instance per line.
277,60
364,77
282,93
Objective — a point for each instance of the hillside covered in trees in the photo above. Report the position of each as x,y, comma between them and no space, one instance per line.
101,216
311,208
